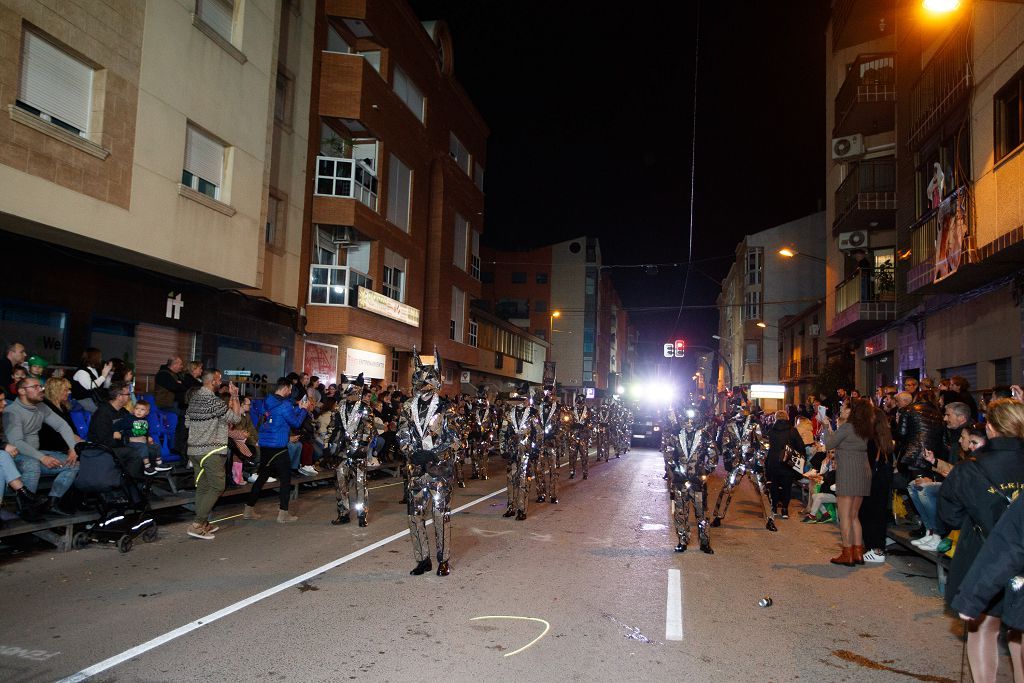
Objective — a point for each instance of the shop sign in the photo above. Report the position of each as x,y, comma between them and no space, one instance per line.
174,306
375,302
777,391
320,360
366,362
876,344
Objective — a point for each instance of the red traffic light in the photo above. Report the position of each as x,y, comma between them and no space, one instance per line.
680,348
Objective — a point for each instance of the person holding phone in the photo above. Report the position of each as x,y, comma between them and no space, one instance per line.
280,416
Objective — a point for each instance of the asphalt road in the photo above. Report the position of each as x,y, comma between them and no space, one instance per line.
593,574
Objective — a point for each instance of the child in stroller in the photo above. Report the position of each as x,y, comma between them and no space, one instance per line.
122,504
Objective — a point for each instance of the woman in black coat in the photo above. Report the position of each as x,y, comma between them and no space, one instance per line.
972,499
780,473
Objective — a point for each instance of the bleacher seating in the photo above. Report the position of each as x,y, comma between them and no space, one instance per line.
81,420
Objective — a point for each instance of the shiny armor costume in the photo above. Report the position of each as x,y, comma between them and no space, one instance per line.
549,416
481,434
743,451
520,429
692,461
579,437
459,419
426,438
354,419
602,429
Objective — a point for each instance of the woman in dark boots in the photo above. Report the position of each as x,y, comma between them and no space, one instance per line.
779,468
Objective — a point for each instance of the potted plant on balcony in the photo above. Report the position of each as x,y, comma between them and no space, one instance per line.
885,281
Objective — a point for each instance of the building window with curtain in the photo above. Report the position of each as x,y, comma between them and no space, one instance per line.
474,263
204,163
473,333
461,233
55,86
394,275
410,95
399,192
218,15
458,318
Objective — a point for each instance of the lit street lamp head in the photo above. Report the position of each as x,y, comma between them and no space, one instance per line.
941,6
787,252
761,323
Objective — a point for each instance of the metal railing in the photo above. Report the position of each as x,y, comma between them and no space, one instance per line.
348,178
800,368
944,81
922,240
864,286
871,78
875,176
336,285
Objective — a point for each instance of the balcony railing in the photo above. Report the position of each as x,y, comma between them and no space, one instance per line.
867,285
348,178
336,285
870,85
870,186
944,82
804,367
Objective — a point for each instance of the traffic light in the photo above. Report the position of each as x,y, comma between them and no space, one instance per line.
670,350
680,348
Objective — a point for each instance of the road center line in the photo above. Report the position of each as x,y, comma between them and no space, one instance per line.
111,662
674,606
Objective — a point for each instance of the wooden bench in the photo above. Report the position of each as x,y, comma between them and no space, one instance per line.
902,538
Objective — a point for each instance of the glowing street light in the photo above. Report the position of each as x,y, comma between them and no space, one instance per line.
551,325
941,6
787,252
761,324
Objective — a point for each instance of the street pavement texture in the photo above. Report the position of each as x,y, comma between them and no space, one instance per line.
593,574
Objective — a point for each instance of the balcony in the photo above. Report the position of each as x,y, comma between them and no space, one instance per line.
943,85
858,21
799,370
864,301
335,285
866,200
351,90
866,102
347,179
922,253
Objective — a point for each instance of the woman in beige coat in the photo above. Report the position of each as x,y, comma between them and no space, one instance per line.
853,475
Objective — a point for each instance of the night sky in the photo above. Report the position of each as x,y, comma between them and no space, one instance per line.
591,119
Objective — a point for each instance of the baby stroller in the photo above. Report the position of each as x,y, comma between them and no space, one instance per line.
122,504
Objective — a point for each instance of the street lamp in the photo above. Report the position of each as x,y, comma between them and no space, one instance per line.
551,325
941,6
762,324
790,253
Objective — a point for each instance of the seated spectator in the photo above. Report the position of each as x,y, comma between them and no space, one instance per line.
973,439
19,373
14,357
243,438
111,425
957,417
826,494
22,420
92,375
323,427
30,508
55,394
37,368
138,437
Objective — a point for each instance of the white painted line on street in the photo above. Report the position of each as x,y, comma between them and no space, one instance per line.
547,627
674,606
111,662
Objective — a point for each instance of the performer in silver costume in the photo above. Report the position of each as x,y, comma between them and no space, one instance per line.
579,437
353,422
549,412
602,430
426,440
459,420
693,459
747,450
622,423
520,430
670,427
481,433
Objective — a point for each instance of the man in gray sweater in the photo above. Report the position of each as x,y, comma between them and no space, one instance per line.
207,419
22,421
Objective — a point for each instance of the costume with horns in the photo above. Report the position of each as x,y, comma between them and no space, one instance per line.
549,414
520,429
481,433
579,437
691,457
743,452
352,429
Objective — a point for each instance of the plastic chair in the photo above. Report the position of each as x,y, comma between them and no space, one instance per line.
170,426
81,420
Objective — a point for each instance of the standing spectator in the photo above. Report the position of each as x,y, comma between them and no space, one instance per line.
874,511
961,386
22,421
15,356
169,394
92,374
207,419
910,385
780,473
957,417
853,475
281,416
972,499
55,397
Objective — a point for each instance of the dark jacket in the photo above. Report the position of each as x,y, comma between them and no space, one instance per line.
780,435
280,416
6,371
169,389
49,438
1000,559
972,500
105,421
920,426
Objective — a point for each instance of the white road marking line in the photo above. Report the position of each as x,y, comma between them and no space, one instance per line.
674,606
547,627
111,662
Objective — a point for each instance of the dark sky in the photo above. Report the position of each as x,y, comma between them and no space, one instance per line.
591,120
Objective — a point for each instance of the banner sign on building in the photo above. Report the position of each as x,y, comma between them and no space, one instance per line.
777,391
950,234
367,362
320,360
879,343
375,302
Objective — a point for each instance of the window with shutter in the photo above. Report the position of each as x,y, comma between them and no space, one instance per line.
461,229
474,266
458,314
54,85
204,163
399,192
218,15
394,275
408,93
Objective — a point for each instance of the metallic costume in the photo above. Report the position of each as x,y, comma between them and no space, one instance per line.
459,420
603,430
549,415
426,438
743,452
692,457
354,421
579,437
481,434
520,430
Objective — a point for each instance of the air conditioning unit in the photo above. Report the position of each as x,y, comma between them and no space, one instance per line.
855,239
848,147
814,330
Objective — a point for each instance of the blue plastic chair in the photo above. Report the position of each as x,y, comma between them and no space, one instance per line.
169,427
81,420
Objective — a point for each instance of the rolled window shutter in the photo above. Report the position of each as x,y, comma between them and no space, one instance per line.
218,15
204,157
55,83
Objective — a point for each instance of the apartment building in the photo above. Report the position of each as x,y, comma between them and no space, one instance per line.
954,110
137,159
396,169
762,287
802,351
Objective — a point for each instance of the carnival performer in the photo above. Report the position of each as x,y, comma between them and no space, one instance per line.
693,461
579,437
520,431
353,430
460,420
746,454
481,433
602,428
549,415
425,439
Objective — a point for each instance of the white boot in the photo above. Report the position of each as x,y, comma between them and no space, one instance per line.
283,517
249,512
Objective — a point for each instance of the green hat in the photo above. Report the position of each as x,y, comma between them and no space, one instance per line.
38,361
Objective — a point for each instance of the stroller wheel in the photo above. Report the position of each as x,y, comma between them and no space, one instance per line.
79,540
150,534
124,544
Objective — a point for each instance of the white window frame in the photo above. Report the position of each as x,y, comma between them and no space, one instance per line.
336,41
461,235
474,262
410,95
459,153
400,183
474,333
274,216
752,305
458,319
201,162
395,274
754,267
218,15
55,85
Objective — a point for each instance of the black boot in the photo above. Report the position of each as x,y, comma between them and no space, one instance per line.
705,547
30,506
509,512
681,548
443,569
462,485
422,568
362,519
520,516
584,476
770,526
342,519
541,498
717,521
554,501
572,474
785,512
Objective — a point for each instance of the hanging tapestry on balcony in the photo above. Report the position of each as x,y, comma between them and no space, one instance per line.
950,234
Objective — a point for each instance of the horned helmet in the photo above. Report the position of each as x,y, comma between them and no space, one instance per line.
481,397
426,378
548,393
351,387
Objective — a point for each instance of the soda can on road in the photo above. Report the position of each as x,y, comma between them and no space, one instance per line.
764,602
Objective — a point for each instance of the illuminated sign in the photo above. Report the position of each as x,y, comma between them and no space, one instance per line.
375,302
768,391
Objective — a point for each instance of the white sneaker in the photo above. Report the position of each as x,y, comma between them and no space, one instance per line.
252,478
933,543
921,541
872,556
271,480
308,470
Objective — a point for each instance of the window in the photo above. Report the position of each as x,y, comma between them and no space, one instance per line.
458,314
55,86
952,156
283,99
478,177
394,365
1009,114
458,152
474,264
542,278
519,366
204,163
499,360
275,219
408,93
752,354
588,340
543,334
394,275
518,278
373,58
335,43
755,256
473,329
540,306
399,192
752,305
218,15
591,284
461,232
1003,368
